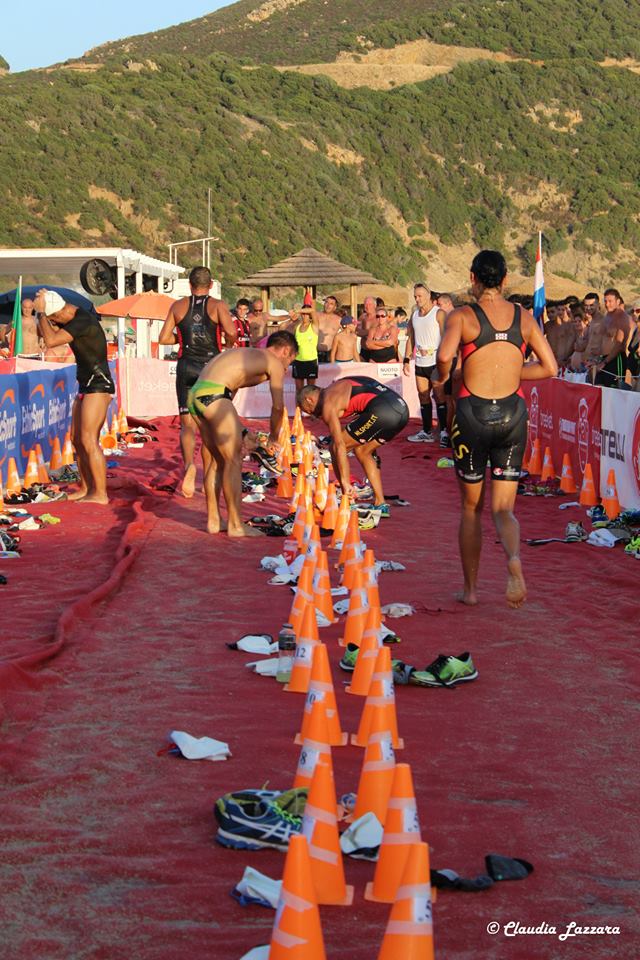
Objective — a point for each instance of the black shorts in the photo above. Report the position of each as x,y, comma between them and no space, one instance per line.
492,431
100,381
324,356
426,372
304,369
612,374
384,355
187,372
382,418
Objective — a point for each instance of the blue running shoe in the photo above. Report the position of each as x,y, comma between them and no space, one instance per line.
249,823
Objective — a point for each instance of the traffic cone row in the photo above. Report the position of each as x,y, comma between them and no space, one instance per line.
314,871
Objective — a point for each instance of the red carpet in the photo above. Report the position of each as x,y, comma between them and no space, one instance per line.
115,629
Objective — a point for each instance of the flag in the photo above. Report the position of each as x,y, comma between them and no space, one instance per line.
16,326
539,300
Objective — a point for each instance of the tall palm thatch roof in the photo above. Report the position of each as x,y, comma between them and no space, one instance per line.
306,268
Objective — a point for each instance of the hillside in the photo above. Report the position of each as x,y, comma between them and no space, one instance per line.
401,181
306,31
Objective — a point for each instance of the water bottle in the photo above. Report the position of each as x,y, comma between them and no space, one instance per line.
286,652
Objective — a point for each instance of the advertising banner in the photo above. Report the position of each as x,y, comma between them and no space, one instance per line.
566,418
621,444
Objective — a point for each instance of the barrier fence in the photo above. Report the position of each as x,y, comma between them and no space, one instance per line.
600,427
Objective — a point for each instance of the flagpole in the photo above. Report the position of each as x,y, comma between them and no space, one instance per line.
16,325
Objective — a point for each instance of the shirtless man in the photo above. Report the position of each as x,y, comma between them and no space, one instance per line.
377,415
593,350
258,321
329,325
365,321
194,323
344,348
617,330
560,331
581,324
83,332
490,423
209,403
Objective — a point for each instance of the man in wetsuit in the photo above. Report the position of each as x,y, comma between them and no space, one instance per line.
377,413
617,330
193,323
490,422
82,331
209,403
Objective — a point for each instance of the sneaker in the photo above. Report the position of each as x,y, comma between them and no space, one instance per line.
421,437
447,671
383,510
575,532
350,657
444,462
266,460
633,547
597,514
250,823
444,439
368,520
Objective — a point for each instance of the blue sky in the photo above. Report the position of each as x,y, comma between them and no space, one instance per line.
42,32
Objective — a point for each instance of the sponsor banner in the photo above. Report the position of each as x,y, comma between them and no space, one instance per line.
148,387
621,444
36,407
566,417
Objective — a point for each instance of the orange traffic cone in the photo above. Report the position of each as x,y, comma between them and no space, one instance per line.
352,564
303,595
322,485
610,500
320,827
342,522
68,455
56,455
298,492
409,932
367,656
548,469
588,496
309,521
314,746
401,831
31,473
357,614
123,426
370,578
13,484
43,473
297,422
330,515
352,535
376,776
321,688
307,463
567,483
285,481
298,524
307,640
297,934
322,587
380,697
535,461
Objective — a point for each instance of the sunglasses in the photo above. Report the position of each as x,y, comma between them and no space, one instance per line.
380,315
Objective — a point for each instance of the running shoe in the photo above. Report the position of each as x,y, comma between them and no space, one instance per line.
383,510
597,514
350,657
575,532
447,671
246,823
421,437
266,460
633,547
444,462
444,439
368,520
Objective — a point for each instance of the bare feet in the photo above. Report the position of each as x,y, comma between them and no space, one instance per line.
516,588
189,481
94,498
216,526
244,530
78,495
468,597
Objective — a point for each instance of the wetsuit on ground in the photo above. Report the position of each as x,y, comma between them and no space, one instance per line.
89,346
198,344
377,412
490,430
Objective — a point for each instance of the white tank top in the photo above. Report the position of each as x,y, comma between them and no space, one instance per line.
427,335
